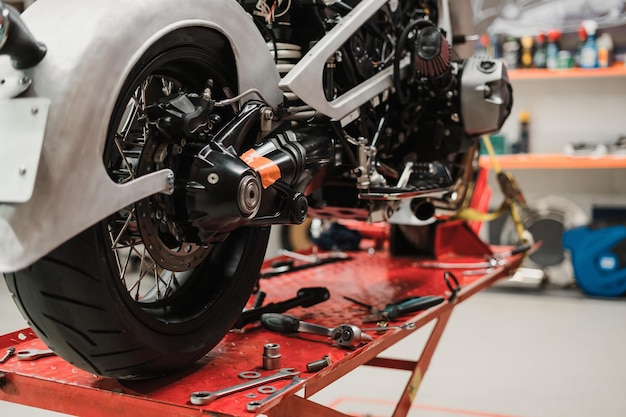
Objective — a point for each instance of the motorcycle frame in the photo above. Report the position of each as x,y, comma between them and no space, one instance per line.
305,78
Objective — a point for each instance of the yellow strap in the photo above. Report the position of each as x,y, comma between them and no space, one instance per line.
507,206
492,153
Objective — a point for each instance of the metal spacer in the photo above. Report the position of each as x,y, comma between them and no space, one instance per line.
249,375
267,389
271,356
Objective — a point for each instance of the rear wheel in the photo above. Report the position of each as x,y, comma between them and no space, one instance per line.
130,297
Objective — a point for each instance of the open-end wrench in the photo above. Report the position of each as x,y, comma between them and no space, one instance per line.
10,352
252,406
33,354
207,397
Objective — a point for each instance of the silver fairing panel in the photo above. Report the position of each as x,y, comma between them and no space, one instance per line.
92,46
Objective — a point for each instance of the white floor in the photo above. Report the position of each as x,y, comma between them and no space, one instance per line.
505,353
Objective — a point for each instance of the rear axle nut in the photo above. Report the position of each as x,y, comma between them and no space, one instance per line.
271,356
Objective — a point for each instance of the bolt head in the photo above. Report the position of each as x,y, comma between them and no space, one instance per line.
213,178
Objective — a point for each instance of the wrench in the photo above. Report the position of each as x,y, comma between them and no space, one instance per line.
207,397
252,406
33,354
345,335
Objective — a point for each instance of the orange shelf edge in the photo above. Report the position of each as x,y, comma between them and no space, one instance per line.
618,70
555,161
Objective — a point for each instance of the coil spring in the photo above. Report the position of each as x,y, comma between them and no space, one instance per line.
285,54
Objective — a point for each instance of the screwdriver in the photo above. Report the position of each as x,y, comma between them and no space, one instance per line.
400,308
306,297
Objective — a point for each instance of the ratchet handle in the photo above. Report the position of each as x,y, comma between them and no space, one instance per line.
281,323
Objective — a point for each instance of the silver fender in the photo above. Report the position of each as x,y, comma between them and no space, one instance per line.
92,46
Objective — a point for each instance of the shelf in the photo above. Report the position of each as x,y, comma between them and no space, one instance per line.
555,161
618,70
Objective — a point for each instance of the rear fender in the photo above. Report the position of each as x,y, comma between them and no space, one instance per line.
92,47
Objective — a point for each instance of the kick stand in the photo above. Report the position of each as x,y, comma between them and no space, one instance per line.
377,280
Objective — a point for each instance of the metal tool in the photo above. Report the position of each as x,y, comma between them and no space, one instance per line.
400,308
33,354
306,297
10,352
310,262
271,356
345,335
495,260
207,397
380,329
319,364
255,405
249,375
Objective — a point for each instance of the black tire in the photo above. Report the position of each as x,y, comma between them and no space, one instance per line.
79,300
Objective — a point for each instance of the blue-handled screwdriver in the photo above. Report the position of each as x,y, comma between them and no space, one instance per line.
400,308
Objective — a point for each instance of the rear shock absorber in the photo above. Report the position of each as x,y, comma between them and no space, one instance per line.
285,54
277,15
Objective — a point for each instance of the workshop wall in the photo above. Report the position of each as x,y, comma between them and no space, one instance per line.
568,110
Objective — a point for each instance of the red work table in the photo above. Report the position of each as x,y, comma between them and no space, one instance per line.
374,278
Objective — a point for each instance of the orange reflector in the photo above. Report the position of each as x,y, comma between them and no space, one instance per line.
269,171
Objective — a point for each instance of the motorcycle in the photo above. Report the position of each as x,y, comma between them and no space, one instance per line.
147,147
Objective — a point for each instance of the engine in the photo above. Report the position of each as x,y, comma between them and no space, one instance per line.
416,141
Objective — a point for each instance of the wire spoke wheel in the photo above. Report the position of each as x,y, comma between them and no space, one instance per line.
152,262
131,297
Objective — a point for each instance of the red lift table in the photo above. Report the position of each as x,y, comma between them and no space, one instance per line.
376,279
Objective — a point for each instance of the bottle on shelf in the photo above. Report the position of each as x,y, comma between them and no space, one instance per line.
539,56
511,52
526,59
582,38
605,50
552,49
589,50
523,142
483,46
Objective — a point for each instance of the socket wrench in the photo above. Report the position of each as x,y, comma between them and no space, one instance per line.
345,335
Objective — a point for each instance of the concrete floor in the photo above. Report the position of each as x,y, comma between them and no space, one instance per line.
505,353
